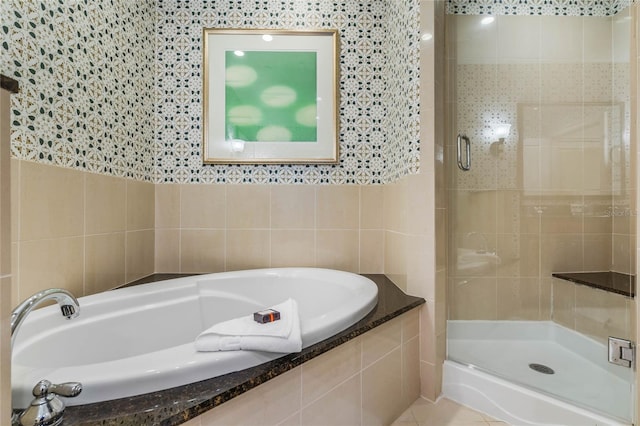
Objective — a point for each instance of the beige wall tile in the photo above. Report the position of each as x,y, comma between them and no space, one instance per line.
597,252
420,256
140,250
15,274
52,263
518,298
341,406
337,249
473,298
202,251
292,248
104,261
140,205
428,381
51,202
395,206
380,341
371,251
382,390
247,249
410,324
203,206
411,371
167,205
338,207
15,199
167,250
395,258
564,302
106,199
293,207
428,332
5,347
269,404
327,371
371,206
600,314
561,253
248,206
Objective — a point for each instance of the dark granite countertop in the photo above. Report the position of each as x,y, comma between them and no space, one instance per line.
614,282
177,405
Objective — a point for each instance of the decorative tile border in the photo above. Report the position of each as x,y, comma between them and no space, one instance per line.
537,7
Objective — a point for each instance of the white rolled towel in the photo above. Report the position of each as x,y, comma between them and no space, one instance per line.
244,333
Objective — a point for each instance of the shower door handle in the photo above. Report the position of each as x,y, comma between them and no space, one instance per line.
464,166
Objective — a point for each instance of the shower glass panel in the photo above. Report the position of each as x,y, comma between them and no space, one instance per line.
545,103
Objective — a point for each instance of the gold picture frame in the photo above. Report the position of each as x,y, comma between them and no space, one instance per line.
270,96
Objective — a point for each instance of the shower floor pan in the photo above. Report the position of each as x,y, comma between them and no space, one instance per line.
572,384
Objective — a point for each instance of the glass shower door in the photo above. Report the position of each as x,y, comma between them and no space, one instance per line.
544,104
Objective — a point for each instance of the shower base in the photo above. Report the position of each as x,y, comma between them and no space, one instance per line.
489,370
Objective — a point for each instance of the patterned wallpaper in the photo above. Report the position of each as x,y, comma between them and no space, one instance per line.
379,88
85,69
537,7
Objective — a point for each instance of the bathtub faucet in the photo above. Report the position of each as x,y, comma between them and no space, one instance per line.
68,305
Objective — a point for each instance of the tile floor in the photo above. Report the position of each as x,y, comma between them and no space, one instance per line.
443,413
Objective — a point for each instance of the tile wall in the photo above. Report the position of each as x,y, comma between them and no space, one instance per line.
369,381
81,231
212,228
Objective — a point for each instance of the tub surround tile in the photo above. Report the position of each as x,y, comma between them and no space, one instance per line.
178,405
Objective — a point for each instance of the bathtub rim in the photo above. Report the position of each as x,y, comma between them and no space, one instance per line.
178,405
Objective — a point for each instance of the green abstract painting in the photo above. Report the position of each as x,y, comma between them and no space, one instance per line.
271,96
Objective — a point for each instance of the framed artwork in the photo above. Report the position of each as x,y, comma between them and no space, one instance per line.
270,96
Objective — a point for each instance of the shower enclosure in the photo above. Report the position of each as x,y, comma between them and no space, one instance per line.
541,194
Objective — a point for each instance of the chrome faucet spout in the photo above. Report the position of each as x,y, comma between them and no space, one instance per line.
68,305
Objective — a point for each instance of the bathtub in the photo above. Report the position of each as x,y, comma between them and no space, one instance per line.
140,339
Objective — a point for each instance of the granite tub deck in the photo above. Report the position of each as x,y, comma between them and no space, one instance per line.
177,405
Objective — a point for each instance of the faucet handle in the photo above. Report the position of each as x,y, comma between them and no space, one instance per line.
67,389
46,408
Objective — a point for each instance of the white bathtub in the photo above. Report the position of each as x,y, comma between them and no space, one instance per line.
140,339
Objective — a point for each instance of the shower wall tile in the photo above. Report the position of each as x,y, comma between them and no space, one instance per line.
473,298
519,299
564,303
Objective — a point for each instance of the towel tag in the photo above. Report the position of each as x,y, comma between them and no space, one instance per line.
268,315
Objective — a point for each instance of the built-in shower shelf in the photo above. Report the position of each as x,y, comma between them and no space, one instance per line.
614,282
